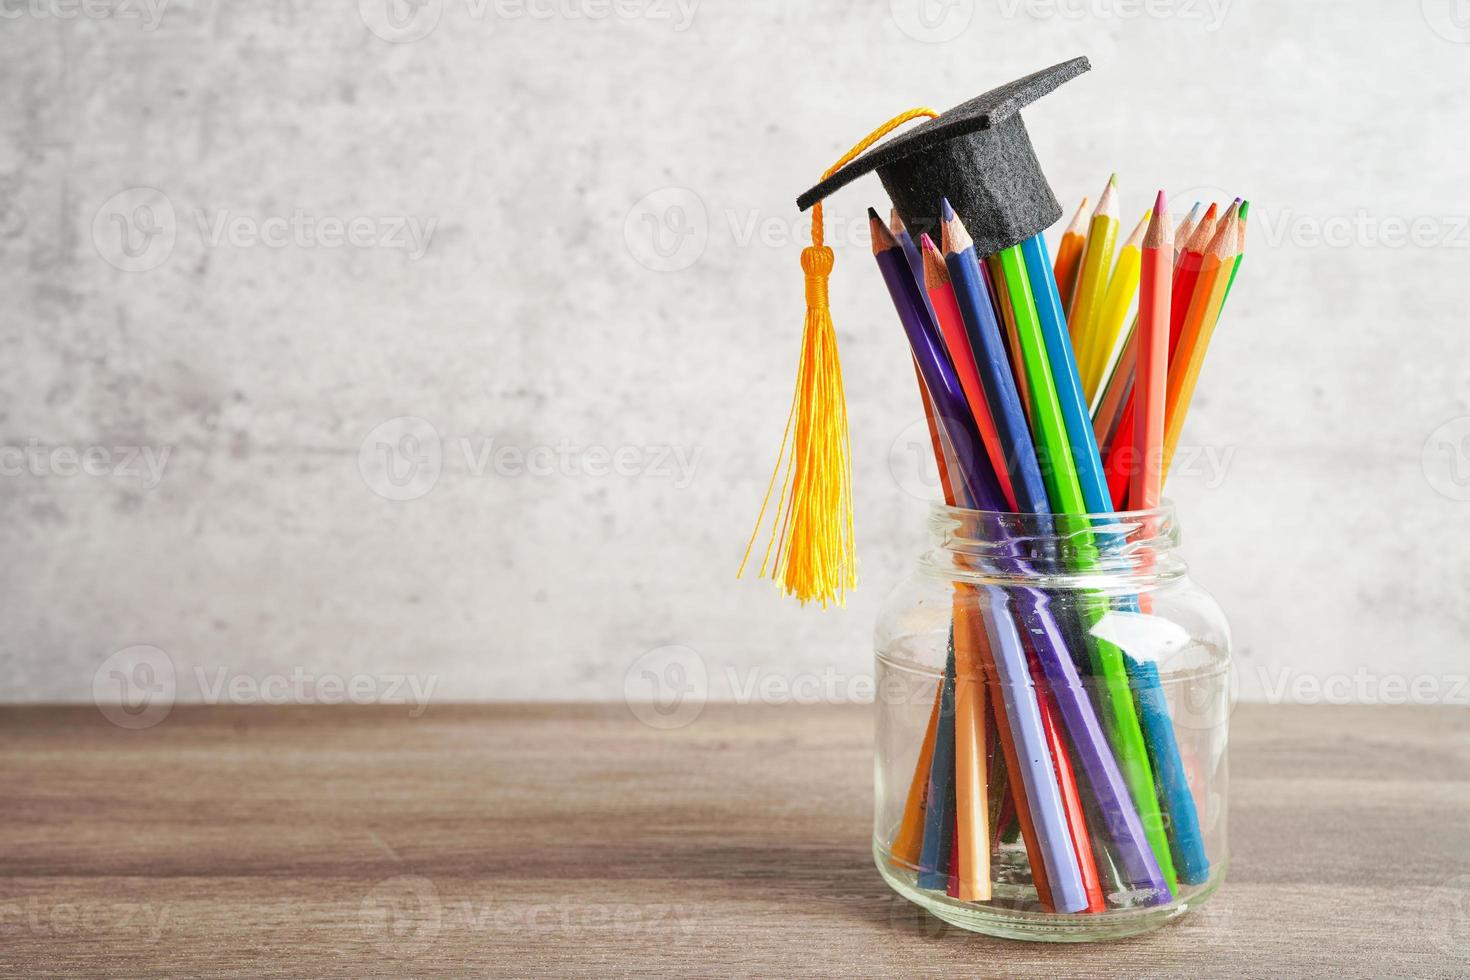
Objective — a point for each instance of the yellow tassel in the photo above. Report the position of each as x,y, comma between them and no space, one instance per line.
812,534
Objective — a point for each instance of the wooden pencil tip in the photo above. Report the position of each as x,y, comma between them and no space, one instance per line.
1078,224
953,237
1107,205
1160,234
1222,245
1160,204
1135,239
936,274
1245,209
895,223
883,239
946,210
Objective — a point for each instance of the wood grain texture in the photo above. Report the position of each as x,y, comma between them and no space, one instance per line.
506,840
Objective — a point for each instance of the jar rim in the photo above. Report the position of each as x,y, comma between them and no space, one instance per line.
1165,511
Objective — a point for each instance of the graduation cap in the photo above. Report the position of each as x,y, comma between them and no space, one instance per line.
977,154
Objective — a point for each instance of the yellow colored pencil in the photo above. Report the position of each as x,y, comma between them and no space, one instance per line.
1097,263
1069,254
1199,325
1122,287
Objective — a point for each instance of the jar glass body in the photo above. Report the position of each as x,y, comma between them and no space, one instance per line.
1053,699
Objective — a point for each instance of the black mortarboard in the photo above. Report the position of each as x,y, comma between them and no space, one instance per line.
979,156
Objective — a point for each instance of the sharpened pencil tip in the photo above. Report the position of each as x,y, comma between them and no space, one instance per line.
883,239
1245,209
936,273
895,223
1160,205
945,210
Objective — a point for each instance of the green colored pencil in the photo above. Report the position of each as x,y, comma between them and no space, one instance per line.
1060,473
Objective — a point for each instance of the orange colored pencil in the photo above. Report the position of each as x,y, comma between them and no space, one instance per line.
971,762
1069,254
1194,338
1153,359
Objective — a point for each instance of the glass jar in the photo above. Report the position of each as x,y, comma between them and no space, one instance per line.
1053,697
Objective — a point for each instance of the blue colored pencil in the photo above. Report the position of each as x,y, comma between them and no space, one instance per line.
939,810
1182,825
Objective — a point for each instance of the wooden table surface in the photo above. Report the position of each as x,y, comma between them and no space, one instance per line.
574,840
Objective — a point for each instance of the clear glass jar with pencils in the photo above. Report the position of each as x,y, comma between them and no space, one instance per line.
1052,721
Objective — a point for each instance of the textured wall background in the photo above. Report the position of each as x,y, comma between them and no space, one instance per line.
309,258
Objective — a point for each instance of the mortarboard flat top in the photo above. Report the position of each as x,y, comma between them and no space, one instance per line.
979,156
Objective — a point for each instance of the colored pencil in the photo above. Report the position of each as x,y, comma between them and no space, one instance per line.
1122,286
971,763
910,837
1097,262
939,808
1245,207
1187,225
1069,253
1194,337
1133,818
1153,358
1122,455
1063,882
1000,394
1071,797
910,248
952,329
971,833
1187,269
1143,740
975,483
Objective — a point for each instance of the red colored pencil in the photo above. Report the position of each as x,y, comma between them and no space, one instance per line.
957,343
1122,456
1153,360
